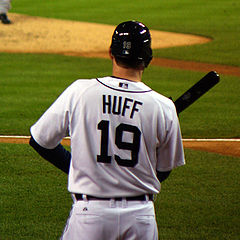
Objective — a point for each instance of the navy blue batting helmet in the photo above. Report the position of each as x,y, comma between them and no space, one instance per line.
131,43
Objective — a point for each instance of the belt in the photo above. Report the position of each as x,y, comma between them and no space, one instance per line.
143,197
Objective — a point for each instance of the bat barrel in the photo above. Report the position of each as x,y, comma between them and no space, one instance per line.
196,91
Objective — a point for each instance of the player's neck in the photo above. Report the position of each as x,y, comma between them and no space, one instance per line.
127,73
136,77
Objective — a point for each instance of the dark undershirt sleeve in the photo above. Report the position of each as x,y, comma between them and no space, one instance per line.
163,175
58,156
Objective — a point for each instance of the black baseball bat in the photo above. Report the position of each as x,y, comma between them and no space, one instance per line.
196,91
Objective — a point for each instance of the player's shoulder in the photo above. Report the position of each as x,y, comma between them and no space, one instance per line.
82,84
163,101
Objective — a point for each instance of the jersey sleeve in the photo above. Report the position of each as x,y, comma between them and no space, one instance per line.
170,153
52,127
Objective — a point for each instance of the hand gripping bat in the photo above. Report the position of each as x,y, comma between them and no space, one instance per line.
196,91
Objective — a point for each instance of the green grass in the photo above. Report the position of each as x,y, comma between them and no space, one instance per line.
198,201
34,202
37,80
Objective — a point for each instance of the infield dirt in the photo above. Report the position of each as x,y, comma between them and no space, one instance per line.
30,34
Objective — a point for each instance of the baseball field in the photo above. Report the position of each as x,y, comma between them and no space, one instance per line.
52,43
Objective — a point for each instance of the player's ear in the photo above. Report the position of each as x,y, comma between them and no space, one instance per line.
110,53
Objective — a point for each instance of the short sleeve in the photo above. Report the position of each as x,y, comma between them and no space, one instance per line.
170,153
52,127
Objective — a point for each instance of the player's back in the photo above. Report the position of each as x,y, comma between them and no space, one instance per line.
116,126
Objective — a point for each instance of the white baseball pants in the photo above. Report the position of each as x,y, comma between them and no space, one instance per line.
5,5
111,220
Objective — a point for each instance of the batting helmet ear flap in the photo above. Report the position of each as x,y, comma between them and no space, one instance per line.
131,42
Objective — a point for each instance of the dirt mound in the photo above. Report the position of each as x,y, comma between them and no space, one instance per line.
46,35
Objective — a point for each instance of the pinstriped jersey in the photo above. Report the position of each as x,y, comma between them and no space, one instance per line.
121,132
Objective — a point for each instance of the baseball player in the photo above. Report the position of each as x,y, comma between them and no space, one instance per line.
125,140
5,5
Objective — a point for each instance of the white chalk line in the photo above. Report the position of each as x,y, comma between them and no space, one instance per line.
184,140
20,137
17,137
212,140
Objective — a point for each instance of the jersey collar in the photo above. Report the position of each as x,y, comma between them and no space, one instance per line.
119,84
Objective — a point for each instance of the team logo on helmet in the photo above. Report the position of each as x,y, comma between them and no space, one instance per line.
131,40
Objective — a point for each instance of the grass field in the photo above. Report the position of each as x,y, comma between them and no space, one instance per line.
199,200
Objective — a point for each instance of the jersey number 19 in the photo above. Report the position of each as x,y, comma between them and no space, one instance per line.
133,146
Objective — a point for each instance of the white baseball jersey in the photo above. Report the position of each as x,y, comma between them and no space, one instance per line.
121,132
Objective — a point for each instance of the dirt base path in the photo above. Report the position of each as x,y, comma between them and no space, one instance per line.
230,147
